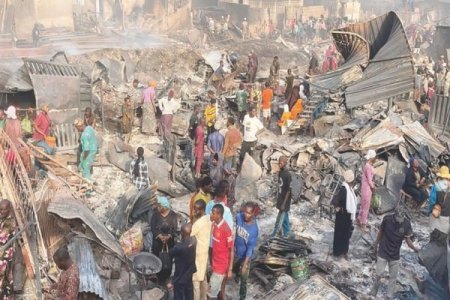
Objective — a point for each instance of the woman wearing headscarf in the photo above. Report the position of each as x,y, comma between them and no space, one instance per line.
367,186
345,205
164,227
149,109
13,130
294,96
139,170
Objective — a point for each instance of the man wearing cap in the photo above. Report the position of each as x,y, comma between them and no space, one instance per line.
88,142
168,107
164,227
367,187
440,199
42,125
393,230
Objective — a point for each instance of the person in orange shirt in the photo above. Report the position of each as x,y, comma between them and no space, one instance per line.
297,109
267,96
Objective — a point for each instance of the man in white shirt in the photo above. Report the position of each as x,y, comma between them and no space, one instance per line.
252,127
168,107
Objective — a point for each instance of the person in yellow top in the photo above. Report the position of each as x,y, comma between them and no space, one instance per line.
201,229
203,193
285,116
210,115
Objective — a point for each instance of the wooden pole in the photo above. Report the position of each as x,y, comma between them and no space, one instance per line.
103,106
33,147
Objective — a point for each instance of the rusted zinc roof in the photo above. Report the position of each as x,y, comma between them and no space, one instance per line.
90,281
381,49
66,206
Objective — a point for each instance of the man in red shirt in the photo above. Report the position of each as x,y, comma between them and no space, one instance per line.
222,253
42,125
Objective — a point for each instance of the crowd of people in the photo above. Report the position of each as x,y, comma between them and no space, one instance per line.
432,78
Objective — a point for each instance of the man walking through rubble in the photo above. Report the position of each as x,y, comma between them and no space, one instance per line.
247,233
283,199
393,230
233,140
88,147
241,101
168,107
252,127
201,230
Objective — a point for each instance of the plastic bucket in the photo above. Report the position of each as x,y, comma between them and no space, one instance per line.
300,269
51,141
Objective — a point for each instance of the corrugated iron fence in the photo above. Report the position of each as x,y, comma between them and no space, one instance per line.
439,113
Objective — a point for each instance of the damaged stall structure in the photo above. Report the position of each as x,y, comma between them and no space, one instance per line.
34,83
378,63
48,216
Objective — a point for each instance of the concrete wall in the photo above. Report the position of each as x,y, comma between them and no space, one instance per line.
50,13
204,3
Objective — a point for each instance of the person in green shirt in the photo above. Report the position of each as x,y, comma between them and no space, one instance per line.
2,119
241,100
88,147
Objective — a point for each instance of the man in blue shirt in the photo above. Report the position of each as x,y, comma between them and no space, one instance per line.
245,242
215,143
220,197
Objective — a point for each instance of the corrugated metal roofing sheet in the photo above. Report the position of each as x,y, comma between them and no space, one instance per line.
380,47
37,67
14,77
67,207
90,281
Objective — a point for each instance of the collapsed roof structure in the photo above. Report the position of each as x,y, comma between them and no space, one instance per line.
378,62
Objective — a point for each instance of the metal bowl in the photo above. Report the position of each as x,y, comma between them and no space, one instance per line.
146,264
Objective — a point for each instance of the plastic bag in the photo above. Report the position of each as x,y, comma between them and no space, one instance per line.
375,203
132,240
26,125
